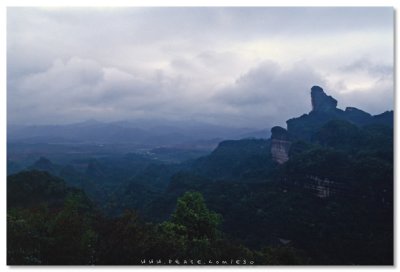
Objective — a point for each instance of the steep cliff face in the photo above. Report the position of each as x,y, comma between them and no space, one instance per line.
322,102
323,110
280,144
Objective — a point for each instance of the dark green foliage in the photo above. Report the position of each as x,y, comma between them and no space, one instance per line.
193,227
300,146
192,214
235,203
26,234
345,228
319,162
34,188
74,233
305,126
357,220
379,142
124,240
340,134
47,236
114,182
244,159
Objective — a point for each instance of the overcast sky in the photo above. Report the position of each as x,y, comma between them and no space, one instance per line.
250,67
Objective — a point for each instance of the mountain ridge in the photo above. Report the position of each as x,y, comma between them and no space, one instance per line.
324,109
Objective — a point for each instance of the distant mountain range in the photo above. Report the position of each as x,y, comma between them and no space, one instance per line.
153,133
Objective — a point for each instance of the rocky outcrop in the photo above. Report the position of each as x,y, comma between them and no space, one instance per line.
280,144
323,187
324,110
320,101
308,125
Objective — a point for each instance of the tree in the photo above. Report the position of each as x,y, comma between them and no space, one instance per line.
192,228
192,213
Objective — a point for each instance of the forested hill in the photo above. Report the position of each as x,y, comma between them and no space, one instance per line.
326,180
317,192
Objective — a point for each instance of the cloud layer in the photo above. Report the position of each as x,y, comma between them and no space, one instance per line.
233,66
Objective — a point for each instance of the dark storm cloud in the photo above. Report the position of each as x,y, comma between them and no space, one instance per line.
237,66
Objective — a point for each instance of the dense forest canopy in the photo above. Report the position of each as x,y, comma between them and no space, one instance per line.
319,192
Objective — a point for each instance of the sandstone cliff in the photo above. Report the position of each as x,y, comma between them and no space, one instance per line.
280,144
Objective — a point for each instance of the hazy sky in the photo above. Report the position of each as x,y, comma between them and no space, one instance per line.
250,67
